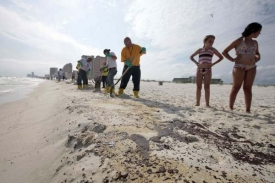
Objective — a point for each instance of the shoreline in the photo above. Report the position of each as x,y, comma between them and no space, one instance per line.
60,133
17,93
24,144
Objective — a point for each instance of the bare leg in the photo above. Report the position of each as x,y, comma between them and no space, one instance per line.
207,82
238,77
199,78
247,87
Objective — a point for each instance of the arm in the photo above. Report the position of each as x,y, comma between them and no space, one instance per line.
142,50
217,53
192,57
228,49
257,55
113,55
123,55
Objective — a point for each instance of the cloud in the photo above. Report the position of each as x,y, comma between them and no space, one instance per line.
46,43
61,31
23,67
22,5
265,75
177,28
32,33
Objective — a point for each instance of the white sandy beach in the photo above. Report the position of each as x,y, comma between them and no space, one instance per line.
61,134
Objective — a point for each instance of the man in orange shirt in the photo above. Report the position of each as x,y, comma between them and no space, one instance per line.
130,55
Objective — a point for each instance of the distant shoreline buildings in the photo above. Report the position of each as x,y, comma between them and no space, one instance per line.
67,69
31,75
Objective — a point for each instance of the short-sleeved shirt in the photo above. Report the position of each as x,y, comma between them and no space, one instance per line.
132,53
84,65
60,73
111,62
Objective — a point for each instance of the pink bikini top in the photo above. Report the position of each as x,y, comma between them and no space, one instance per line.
244,49
205,56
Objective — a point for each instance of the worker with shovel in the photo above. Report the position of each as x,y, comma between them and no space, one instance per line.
130,55
112,68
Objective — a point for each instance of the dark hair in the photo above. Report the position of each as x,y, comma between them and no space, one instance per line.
106,50
251,28
207,37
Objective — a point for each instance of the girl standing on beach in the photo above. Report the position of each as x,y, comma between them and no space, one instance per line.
204,73
244,70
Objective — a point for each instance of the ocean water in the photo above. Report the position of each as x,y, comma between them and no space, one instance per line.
15,88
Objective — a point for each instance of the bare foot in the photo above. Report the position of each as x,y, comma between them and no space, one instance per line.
197,105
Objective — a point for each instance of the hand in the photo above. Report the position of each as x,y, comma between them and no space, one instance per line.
128,63
257,58
143,50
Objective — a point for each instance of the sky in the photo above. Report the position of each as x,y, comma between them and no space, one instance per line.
38,34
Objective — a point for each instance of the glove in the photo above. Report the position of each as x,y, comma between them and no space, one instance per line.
128,63
143,50
108,55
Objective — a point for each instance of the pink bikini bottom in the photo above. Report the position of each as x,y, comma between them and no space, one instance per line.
204,70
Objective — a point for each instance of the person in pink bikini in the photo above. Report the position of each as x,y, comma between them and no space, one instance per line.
204,73
244,70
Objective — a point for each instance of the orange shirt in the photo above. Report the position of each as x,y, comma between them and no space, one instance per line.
132,53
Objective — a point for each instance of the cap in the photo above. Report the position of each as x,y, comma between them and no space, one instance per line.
106,50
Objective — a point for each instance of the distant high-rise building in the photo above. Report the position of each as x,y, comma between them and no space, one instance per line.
32,74
68,70
53,72
97,63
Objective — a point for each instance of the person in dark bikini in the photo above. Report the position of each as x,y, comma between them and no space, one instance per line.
244,70
204,64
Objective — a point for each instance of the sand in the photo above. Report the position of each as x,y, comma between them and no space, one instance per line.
61,134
